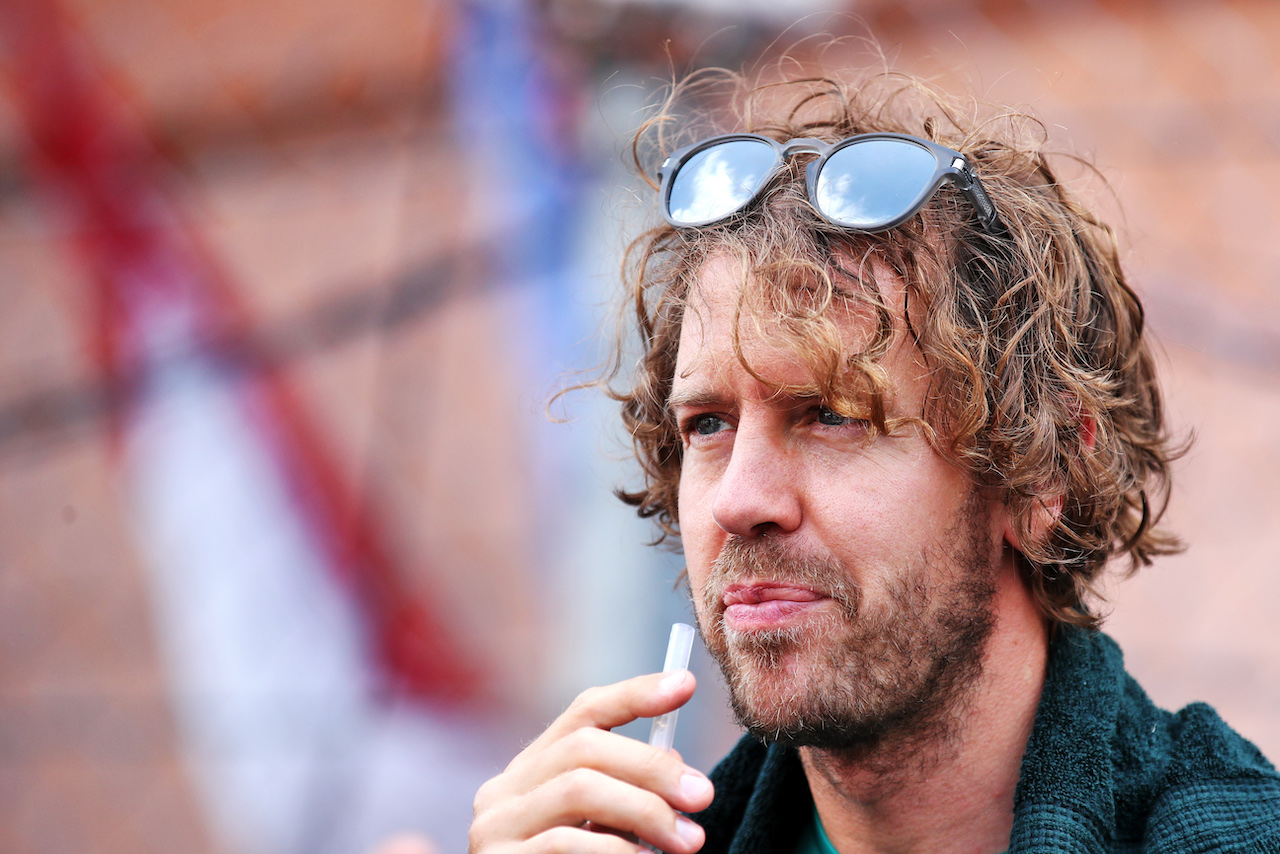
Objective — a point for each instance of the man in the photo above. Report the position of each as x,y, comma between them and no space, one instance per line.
896,402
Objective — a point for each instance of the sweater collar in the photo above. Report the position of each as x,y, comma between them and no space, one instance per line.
1066,793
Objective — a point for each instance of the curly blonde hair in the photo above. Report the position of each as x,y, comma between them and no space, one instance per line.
1042,382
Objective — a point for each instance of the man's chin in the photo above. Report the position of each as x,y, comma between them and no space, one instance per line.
787,694
797,721
773,695
799,711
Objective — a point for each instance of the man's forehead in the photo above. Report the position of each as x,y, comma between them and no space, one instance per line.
729,301
733,325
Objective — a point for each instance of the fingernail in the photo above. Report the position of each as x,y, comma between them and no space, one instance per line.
694,786
672,680
690,834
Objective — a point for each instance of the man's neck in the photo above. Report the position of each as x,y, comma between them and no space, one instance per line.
955,796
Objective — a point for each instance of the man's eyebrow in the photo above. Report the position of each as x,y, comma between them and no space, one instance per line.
693,397
697,399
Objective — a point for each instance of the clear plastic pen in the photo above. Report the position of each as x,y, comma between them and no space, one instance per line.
663,732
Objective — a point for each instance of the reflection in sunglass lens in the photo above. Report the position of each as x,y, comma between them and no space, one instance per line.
873,183
719,180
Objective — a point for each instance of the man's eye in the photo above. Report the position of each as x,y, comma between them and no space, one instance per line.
831,418
706,425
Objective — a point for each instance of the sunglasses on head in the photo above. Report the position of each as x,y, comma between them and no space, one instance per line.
869,182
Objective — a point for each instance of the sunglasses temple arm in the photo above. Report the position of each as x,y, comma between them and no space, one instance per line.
977,195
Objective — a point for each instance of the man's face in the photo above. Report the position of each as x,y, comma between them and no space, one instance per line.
845,586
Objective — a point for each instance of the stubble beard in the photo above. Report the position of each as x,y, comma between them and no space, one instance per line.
859,679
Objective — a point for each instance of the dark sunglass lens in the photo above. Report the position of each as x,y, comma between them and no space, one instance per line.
718,181
874,183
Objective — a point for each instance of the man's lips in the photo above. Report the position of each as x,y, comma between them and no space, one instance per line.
766,605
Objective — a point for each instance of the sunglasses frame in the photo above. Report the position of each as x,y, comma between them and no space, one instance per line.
949,165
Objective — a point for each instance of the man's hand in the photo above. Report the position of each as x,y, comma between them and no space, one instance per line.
582,788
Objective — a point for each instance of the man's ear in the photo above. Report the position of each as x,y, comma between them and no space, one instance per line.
1044,513
1041,517
1088,431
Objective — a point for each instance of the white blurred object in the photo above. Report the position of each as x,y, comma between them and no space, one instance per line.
290,748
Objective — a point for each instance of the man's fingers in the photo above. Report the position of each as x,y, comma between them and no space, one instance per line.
581,795
578,775
611,706
633,762
600,708
581,841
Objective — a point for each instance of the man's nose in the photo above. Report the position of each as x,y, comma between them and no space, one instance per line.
758,491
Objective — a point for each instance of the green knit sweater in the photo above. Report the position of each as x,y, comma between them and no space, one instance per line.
1105,772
